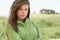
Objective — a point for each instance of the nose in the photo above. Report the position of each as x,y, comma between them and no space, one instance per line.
23,11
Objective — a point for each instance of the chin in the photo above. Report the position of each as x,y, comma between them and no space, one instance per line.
22,17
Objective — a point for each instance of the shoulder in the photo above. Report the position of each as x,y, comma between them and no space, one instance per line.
9,27
33,22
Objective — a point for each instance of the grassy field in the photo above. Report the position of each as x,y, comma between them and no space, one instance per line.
49,25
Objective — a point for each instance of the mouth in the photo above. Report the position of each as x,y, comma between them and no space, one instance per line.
22,15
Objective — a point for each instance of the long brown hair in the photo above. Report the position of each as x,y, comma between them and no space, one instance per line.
13,12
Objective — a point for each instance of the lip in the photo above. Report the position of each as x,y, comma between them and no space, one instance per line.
22,15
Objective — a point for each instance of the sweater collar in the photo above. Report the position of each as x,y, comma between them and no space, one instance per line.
22,23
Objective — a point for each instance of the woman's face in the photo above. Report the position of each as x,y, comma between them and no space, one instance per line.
22,12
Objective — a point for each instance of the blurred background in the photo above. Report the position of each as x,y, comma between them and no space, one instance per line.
36,6
46,14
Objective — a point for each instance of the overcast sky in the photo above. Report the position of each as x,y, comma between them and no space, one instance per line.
35,5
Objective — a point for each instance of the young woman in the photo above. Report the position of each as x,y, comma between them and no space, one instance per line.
20,27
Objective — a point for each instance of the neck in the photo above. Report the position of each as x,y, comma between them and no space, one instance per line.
22,20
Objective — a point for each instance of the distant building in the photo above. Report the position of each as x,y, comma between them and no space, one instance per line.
47,11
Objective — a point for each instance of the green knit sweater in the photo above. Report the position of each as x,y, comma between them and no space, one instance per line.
26,31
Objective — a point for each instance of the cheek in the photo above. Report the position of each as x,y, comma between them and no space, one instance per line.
26,13
18,13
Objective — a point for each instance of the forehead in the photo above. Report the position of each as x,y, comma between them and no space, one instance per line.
24,6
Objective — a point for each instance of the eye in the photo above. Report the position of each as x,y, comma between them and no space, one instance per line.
26,9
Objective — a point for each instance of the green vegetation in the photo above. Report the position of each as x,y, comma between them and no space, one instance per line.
49,24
